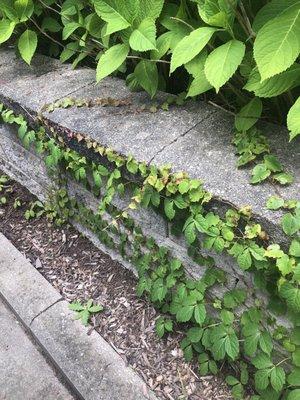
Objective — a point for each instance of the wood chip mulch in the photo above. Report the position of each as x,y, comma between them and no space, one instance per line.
80,271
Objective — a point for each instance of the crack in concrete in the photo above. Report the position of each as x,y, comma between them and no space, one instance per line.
180,136
44,310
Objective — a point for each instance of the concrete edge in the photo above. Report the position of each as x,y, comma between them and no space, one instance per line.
88,364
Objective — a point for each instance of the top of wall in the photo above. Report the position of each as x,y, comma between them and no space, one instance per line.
195,138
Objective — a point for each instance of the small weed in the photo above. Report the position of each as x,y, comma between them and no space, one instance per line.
85,311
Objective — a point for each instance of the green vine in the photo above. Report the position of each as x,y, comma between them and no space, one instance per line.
236,327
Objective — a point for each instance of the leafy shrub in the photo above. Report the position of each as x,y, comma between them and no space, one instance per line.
236,48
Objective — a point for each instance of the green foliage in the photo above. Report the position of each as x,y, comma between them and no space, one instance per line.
235,331
85,311
231,47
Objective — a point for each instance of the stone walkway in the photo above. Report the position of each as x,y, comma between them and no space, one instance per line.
25,373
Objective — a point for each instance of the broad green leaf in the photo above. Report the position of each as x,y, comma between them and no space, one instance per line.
276,85
292,296
169,209
223,62
190,46
293,120
8,10
196,68
24,9
27,45
162,46
296,357
248,115
144,37
294,395
147,76
277,378
200,313
232,346
149,9
275,203
261,378
277,44
285,265
283,178
69,29
118,14
294,378
260,173
262,361
290,224
51,24
272,163
270,11
111,60
295,248
69,51
244,260
6,29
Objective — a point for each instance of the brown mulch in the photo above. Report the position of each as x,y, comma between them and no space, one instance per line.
80,271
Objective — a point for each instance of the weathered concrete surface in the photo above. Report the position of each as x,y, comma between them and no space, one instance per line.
194,138
88,361
89,365
206,152
21,285
25,374
128,129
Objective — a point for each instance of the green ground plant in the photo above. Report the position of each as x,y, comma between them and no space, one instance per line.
241,54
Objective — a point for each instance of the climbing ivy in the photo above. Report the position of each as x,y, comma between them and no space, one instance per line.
238,327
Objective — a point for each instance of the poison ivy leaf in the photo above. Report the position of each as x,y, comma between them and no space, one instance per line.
27,45
285,265
111,60
294,395
261,378
222,63
284,178
194,334
265,342
248,115
296,357
260,173
232,346
262,361
6,29
190,46
295,248
275,203
184,313
291,294
277,44
293,120
290,224
274,86
169,209
200,313
277,378
147,76
144,37
118,14
272,163
274,251
294,378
